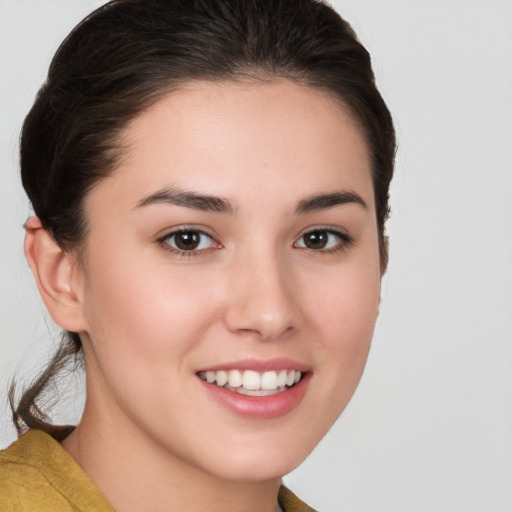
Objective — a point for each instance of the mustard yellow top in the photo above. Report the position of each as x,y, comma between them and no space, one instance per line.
38,475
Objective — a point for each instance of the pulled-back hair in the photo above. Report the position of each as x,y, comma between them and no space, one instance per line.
127,55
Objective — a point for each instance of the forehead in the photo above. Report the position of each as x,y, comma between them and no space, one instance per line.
275,139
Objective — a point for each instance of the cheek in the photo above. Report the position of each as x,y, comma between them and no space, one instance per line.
348,303
146,307
344,310
145,321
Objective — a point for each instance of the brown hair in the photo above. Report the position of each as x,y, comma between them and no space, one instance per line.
128,54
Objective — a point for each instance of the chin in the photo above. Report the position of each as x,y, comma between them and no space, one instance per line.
258,470
262,459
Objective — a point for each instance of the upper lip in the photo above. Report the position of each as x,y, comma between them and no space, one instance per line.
258,365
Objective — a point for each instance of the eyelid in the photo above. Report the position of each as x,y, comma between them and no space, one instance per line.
324,227
170,232
345,242
167,232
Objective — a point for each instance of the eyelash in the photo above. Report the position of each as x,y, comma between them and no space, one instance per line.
344,241
164,241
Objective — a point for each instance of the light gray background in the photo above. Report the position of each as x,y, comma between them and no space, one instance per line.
430,427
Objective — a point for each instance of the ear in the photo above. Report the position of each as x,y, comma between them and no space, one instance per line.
57,275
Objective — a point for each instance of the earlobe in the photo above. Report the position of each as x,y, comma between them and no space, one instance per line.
55,273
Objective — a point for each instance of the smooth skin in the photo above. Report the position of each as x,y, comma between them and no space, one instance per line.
151,315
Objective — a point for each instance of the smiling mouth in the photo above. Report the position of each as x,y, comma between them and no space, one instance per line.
252,383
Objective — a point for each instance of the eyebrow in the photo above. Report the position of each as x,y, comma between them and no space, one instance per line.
215,204
187,199
324,201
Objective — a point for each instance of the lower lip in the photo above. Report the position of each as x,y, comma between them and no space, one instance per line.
262,407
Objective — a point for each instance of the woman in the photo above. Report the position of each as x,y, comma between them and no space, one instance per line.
210,187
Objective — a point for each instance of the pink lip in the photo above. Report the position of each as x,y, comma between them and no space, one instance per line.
261,407
259,365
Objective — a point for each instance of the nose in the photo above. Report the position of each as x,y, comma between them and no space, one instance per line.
263,299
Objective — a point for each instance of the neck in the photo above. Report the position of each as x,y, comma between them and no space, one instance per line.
135,474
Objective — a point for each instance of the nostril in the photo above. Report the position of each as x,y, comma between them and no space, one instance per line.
262,305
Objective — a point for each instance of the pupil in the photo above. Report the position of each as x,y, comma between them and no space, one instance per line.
316,240
187,240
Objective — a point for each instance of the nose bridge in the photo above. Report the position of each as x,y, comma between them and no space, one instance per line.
263,301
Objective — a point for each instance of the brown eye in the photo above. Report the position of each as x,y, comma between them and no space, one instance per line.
188,240
323,240
316,239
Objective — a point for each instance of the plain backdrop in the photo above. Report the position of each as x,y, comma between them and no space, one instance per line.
430,427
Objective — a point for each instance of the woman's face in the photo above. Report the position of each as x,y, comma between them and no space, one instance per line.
237,240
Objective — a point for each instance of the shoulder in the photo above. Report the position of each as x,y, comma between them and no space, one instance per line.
23,489
36,473
291,503
22,485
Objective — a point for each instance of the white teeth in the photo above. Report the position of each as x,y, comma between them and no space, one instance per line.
269,380
222,378
235,378
250,382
